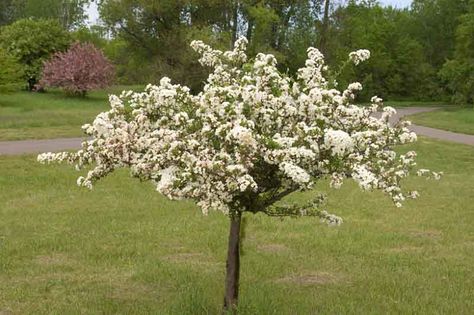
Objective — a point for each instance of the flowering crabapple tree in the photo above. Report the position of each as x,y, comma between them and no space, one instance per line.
250,138
81,68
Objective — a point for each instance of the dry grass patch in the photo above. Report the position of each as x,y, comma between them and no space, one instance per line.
54,260
193,259
405,249
311,278
131,291
272,248
431,234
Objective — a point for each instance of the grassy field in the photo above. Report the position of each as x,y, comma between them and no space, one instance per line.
415,103
124,249
25,115
411,103
453,119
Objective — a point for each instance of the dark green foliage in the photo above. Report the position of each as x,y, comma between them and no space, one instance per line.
68,14
10,72
398,67
151,39
32,42
434,27
458,72
6,12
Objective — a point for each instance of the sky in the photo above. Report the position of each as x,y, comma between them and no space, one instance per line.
396,3
94,15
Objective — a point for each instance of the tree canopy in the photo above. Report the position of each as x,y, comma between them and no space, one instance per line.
410,46
32,42
68,13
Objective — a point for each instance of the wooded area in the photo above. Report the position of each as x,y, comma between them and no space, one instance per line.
425,52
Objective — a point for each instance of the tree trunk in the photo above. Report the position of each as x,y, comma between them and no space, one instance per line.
233,265
249,29
31,84
235,20
325,29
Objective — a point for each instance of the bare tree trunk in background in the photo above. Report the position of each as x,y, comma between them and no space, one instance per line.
65,14
325,28
232,266
250,20
285,26
235,20
249,29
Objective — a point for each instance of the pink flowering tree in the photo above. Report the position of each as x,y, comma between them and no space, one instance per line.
250,138
81,68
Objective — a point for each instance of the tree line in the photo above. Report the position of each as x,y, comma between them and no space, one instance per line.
424,52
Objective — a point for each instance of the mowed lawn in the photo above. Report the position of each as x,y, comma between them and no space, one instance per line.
25,115
454,119
123,249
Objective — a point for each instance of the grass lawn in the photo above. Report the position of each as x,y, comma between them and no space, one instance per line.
124,249
25,115
453,119
411,103
414,103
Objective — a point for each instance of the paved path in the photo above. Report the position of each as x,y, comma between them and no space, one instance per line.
432,132
38,146
51,145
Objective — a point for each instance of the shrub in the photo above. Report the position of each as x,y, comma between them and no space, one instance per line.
32,42
80,69
459,79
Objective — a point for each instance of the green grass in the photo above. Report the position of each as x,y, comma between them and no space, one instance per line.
410,103
124,249
452,119
25,115
415,103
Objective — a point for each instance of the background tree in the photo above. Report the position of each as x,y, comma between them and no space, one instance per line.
459,71
158,32
68,13
398,68
153,33
80,69
434,27
32,42
6,12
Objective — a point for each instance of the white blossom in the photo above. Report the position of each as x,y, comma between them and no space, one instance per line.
338,142
250,137
367,180
296,173
359,56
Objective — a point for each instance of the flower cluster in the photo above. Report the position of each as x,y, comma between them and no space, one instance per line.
359,56
251,137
